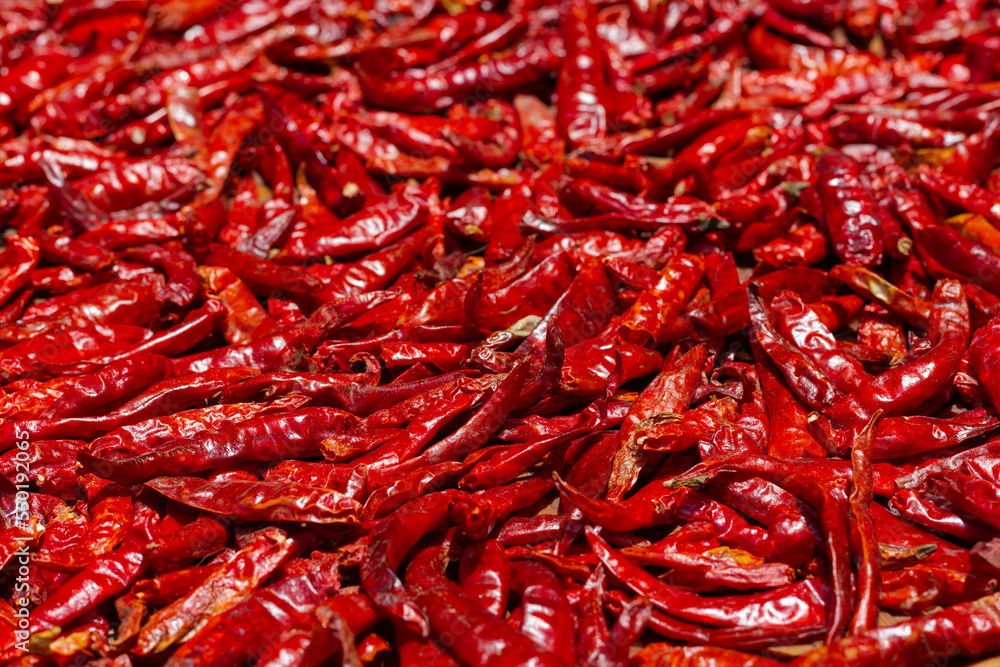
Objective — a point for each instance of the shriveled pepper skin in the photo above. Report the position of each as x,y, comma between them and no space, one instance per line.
851,210
461,333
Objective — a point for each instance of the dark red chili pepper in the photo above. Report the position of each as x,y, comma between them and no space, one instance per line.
259,619
852,214
221,591
299,263
102,578
474,635
260,501
896,391
137,459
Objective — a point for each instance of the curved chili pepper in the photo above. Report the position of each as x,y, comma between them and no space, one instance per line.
961,257
894,391
471,436
259,619
474,635
938,514
477,514
101,579
805,378
802,327
388,545
792,528
851,210
112,303
810,608
222,590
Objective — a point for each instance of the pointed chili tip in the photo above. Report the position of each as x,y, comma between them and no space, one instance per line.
566,492
874,420
416,617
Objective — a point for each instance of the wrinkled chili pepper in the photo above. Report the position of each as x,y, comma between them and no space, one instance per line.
552,328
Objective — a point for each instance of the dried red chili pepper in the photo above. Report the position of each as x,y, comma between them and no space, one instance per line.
268,437
219,286
260,619
476,636
484,575
262,501
894,391
102,578
851,210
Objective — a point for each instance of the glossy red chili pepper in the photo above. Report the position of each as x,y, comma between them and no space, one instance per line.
809,381
952,255
863,535
789,435
894,392
671,391
851,210
135,460
260,619
474,635
402,212
718,611
919,639
263,501
101,579
803,328
220,592
299,263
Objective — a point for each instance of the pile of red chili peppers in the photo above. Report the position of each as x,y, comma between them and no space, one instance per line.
548,333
